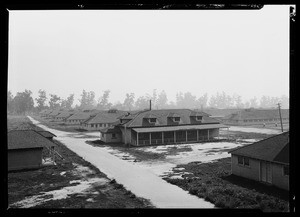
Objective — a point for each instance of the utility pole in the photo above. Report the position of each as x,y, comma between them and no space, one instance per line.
280,116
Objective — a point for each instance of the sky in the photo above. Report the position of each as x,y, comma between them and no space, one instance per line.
244,52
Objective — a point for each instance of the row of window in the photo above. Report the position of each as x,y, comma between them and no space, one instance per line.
256,120
101,125
175,119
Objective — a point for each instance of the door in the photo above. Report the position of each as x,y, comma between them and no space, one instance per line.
266,172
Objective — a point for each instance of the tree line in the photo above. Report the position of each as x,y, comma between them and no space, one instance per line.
23,102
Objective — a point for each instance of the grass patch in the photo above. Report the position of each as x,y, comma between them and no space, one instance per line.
213,182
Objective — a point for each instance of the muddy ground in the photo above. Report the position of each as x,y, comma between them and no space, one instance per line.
69,171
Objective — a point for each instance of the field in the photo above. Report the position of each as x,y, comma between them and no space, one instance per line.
179,165
71,183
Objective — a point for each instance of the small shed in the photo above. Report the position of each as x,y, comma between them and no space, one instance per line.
266,161
25,149
111,135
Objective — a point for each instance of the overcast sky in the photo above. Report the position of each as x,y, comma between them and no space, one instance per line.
242,52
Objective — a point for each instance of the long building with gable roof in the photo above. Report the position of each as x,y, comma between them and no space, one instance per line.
166,126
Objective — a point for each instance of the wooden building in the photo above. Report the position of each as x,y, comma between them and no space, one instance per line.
102,120
25,149
168,126
265,161
257,117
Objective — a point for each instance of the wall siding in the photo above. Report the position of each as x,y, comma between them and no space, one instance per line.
108,138
251,172
279,179
24,159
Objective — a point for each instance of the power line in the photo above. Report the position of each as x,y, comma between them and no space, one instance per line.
280,116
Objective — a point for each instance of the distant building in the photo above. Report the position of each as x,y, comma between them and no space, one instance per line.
102,120
46,112
63,116
265,161
79,117
111,135
168,126
25,149
257,117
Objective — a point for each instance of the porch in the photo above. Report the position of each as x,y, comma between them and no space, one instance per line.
171,136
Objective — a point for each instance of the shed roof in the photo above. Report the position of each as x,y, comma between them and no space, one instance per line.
24,139
275,149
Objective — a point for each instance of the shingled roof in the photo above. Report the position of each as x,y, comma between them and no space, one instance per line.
55,113
105,117
162,117
80,116
24,139
274,149
65,114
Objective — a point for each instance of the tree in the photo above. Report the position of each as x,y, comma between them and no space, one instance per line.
142,103
162,100
212,102
253,102
202,101
284,100
67,103
129,101
70,101
103,101
265,102
118,105
10,102
41,100
87,100
54,101
185,100
23,102
238,101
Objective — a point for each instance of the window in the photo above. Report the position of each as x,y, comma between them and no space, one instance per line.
286,170
246,161
240,160
243,161
152,120
199,118
92,125
176,119
113,135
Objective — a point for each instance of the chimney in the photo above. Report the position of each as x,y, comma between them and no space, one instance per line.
150,104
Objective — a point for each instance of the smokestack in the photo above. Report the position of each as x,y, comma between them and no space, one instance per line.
150,104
